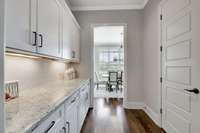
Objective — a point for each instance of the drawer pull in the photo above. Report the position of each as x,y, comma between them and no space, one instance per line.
35,38
73,100
65,130
50,126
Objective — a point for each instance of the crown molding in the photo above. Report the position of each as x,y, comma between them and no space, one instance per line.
120,7
144,3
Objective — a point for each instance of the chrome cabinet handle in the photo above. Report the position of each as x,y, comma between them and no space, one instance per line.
50,126
68,127
73,100
35,38
41,40
65,130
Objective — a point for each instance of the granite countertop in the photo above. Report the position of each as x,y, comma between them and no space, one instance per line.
27,111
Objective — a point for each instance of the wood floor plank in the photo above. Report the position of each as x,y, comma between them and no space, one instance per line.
108,116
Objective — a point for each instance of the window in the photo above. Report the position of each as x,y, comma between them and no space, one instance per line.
110,58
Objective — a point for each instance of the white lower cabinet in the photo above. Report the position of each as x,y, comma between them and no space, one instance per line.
83,105
69,117
53,124
71,114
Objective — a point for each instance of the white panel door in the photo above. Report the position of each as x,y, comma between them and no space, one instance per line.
181,66
21,24
49,27
67,35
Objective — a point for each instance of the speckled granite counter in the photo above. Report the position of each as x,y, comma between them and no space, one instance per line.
27,111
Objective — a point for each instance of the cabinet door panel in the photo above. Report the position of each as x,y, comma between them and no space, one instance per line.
71,116
67,35
76,42
20,23
49,27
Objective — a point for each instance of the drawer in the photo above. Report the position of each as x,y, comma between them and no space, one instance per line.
73,99
51,122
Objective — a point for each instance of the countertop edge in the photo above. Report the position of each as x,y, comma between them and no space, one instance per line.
33,126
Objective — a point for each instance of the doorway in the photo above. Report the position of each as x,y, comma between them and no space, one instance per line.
109,67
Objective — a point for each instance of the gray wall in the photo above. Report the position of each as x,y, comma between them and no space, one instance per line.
1,66
134,21
151,55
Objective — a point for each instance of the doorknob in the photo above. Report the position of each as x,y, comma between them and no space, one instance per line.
195,90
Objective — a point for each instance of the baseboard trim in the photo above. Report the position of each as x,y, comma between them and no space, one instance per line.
153,115
134,105
139,105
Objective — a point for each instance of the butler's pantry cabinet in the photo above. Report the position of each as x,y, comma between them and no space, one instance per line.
43,27
76,42
20,24
66,34
48,27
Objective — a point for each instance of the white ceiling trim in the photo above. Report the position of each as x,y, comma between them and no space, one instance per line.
145,3
121,7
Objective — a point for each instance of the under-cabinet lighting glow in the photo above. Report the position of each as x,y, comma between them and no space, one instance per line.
22,55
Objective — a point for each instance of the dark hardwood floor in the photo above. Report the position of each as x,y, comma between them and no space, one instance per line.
108,116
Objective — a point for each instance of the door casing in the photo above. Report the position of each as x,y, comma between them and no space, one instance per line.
92,59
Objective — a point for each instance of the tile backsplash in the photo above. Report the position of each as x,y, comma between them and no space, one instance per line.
32,72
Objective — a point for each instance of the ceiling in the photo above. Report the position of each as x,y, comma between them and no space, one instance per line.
84,5
108,35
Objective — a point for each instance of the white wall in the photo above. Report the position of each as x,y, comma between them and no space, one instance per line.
32,72
134,21
151,52
1,66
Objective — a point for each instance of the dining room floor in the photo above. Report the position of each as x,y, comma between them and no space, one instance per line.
101,92
109,116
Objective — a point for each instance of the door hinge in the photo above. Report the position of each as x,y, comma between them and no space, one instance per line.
161,79
161,110
161,48
161,17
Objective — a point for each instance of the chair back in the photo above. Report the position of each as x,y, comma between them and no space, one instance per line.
97,78
120,76
113,76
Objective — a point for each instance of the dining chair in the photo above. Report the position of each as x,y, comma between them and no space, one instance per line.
120,80
112,81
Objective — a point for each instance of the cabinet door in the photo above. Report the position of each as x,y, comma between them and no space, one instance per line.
67,35
82,107
87,98
72,118
20,24
49,27
76,42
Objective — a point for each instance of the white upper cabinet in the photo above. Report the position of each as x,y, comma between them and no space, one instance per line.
66,34
70,36
49,28
76,43
20,24
44,27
